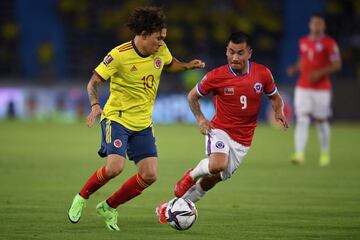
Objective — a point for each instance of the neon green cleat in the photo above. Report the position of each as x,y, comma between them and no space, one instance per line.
76,208
324,159
109,214
298,158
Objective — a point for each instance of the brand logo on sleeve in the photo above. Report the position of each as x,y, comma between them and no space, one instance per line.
258,88
108,59
157,63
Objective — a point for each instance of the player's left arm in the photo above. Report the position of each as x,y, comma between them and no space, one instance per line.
277,104
334,65
178,66
328,69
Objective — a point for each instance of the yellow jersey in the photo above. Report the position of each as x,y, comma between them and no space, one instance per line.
134,81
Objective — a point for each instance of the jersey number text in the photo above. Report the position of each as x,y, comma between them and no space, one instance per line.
148,81
243,101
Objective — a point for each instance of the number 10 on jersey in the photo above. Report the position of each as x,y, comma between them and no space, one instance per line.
148,81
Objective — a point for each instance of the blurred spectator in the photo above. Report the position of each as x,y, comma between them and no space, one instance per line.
9,50
31,106
11,112
46,61
82,30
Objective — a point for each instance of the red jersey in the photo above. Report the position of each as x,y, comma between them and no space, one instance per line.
237,98
316,54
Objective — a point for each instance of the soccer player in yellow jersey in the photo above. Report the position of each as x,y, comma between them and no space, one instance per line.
134,70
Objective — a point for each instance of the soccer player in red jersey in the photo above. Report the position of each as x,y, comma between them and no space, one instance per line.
319,56
237,89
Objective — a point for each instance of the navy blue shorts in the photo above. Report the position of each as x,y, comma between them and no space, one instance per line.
117,139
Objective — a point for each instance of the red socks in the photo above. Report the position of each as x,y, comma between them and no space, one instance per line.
130,189
96,181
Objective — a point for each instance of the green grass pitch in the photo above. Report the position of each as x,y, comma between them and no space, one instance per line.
43,165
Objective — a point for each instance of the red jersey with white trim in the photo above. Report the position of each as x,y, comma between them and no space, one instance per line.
316,54
237,98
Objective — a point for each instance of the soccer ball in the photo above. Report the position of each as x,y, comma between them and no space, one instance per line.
181,213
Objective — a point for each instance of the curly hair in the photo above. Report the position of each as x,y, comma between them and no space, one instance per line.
148,19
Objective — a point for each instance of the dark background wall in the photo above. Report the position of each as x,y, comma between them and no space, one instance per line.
52,42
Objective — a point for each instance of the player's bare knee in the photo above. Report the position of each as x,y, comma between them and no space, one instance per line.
319,120
218,163
149,177
217,167
113,171
114,165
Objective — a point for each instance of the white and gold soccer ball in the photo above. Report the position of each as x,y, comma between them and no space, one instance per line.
181,213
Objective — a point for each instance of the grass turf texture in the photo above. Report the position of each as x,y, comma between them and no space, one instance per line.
43,165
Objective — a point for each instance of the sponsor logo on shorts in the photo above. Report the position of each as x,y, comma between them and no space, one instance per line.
258,87
117,143
219,144
157,63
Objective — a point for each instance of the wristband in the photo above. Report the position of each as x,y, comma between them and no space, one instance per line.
95,104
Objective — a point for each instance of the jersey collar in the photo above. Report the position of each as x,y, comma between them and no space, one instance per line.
137,50
239,74
321,36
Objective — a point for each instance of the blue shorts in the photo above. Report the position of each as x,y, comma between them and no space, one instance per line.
117,139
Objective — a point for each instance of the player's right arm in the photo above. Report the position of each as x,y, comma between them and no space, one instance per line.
193,99
277,104
92,89
293,69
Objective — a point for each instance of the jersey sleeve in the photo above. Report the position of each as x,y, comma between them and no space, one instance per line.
109,66
167,55
269,83
206,85
334,52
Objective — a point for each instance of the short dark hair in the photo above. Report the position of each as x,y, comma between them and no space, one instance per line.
240,37
148,19
318,15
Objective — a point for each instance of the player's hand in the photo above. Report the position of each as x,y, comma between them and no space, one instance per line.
279,117
95,111
205,126
315,76
195,64
291,71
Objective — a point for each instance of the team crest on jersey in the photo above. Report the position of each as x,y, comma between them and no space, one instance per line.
117,143
219,145
108,59
229,91
319,47
258,88
157,63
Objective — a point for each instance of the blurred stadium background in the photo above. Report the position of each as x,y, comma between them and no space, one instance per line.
48,49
